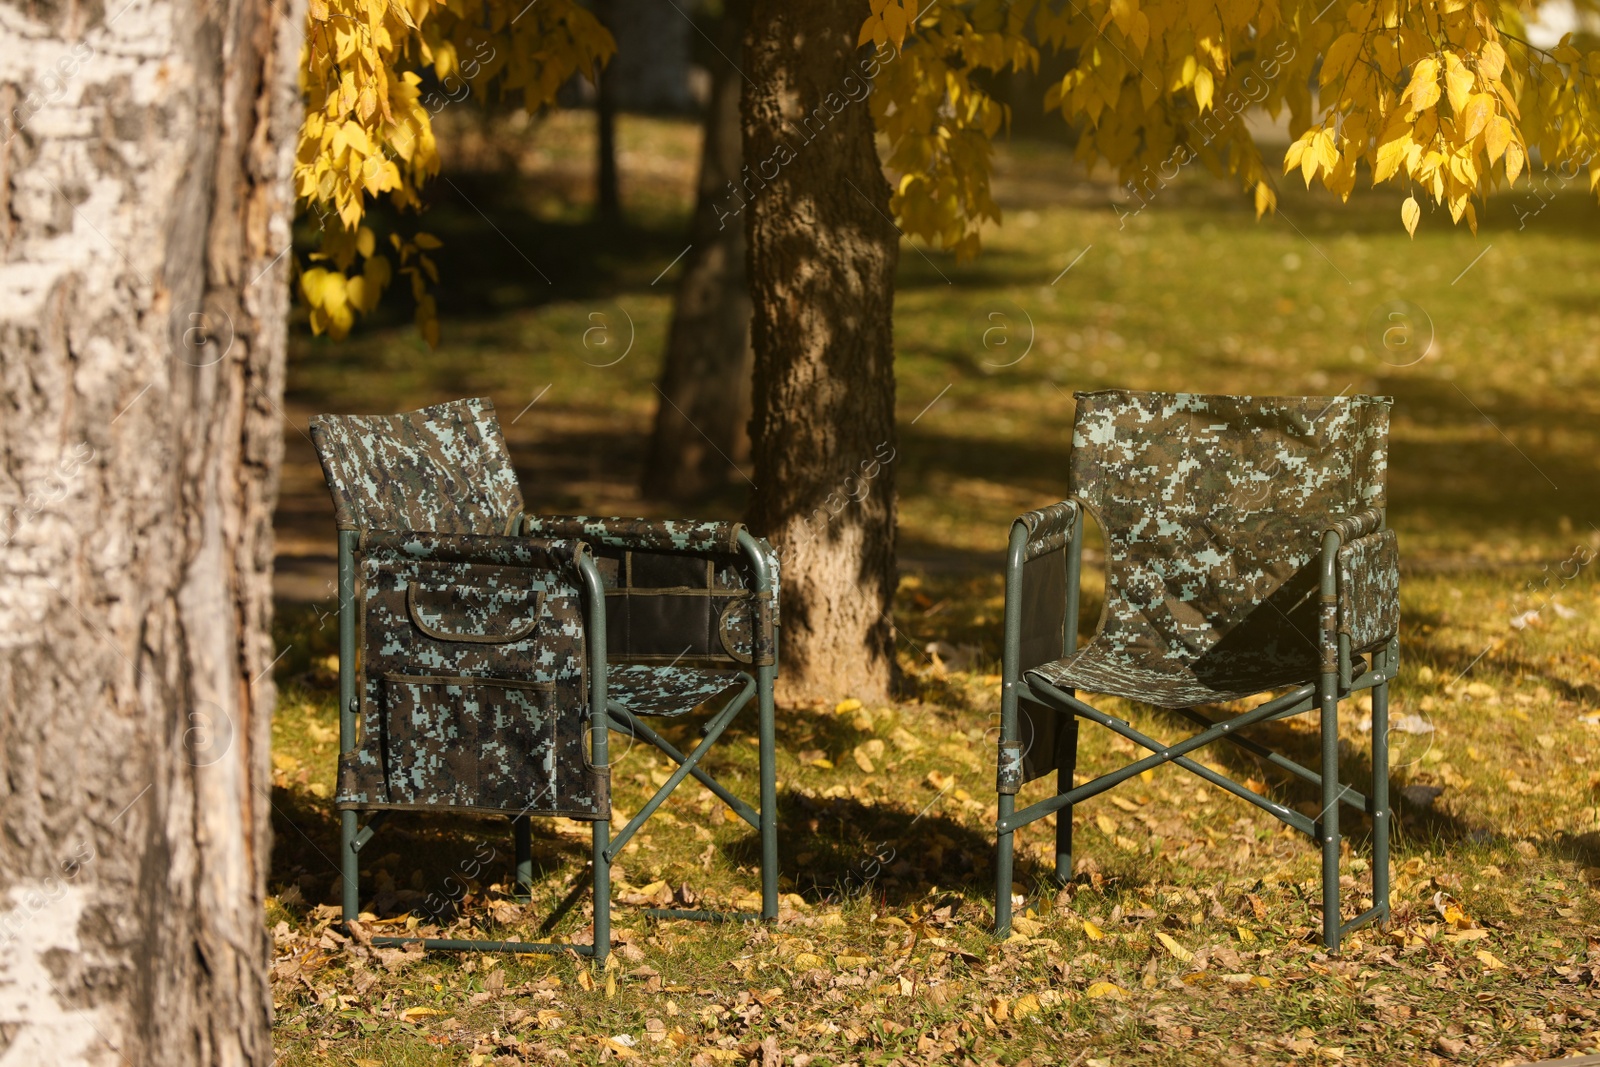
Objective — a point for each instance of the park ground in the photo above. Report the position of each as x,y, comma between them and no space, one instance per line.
1187,936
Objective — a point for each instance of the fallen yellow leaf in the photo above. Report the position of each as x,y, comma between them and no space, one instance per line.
1489,960
418,1013
866,752
1106,989
999,1009
1094,932
1025,926
1245,933
1108,826
1024,1006
1177,950
844,707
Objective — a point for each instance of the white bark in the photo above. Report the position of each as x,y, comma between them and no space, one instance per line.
143,209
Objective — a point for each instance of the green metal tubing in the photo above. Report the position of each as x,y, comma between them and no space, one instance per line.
1271,807
1161,754
714,731
1065,769
1350,796
1068,751
705,916
1376,913
522,835
448,944
639,728
349,860
1011,678
599,755
1381,813
368,831
767,738
1328,693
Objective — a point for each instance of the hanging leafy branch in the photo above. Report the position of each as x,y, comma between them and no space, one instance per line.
375,73
1443,99
1446,100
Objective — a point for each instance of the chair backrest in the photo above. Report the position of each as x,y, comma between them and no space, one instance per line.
1211,506
444,469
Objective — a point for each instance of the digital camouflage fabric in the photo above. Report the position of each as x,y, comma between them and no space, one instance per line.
1213,510
472,687
444,469
1369,575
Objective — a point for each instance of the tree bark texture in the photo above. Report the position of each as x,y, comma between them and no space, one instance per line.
822,259
701,431
144,219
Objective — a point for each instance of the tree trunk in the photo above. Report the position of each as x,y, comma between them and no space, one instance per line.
701,433
822,260
144,210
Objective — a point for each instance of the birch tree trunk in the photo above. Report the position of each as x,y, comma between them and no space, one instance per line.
822,258
144,217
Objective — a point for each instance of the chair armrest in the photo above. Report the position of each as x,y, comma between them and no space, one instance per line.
1041,589
729,540
470,548
1049,528
645,535
1356,525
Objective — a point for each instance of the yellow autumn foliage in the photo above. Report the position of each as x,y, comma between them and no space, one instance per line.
375,73
1445,100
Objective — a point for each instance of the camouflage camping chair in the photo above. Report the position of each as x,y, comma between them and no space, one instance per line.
475,666
1245,553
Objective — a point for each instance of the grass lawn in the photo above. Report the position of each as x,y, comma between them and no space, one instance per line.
1187,936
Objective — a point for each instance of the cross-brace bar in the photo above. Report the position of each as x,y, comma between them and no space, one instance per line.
639,728
1350,796
1160,754
713,730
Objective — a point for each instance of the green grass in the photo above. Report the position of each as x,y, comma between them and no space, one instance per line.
883,955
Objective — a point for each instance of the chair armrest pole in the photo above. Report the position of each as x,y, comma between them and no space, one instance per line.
1008,765
349,862
762,558
599,754
757,555
1069,635
1011,658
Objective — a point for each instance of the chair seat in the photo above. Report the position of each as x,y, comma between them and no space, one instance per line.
1179,682
663,692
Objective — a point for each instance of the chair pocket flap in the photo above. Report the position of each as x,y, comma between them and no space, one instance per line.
1369,590
458,611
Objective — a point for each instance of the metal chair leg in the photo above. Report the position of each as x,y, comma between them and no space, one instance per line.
522,832
769,797
349,866
1004,845
602,890
1331,790
1067,755
1382,816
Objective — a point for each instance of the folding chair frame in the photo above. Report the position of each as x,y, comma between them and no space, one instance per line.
604,715
1336,682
